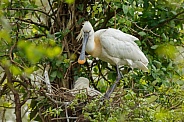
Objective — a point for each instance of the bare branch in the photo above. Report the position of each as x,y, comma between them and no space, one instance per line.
31,10
31,22
147,30
166,21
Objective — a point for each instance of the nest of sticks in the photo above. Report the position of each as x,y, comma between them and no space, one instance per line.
67,104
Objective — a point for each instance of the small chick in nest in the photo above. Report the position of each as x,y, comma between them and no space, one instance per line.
83,83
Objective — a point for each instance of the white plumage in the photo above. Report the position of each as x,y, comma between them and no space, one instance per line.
119,48
83,83
113,46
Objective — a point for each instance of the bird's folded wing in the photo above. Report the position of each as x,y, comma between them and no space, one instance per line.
121,45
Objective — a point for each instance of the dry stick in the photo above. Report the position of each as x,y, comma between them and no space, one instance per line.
40,115
52,100
66,112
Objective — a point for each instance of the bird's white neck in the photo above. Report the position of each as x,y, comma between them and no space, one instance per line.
90,44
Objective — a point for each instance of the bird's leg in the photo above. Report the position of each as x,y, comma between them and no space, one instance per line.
111,89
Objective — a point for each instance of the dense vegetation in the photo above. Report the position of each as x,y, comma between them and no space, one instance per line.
37,34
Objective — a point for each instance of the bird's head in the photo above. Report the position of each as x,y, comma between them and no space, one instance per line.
87,28
86,32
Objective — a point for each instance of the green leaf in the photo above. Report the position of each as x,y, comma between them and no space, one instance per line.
69,1
112,75
125,9
33,114
142,33
58,62
5,35
59,74
15,70
164,36
154,47
54,74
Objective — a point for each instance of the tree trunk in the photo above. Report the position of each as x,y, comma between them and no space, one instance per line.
17,107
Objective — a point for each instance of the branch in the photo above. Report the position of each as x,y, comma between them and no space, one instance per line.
25,9
2,80
166,21
90,75
11,58
35,37
176,106
52,9
144,29
15,93
31,22
7,107
52,100
100,71
109,16
24,84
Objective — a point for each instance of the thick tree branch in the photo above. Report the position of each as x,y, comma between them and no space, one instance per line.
15,93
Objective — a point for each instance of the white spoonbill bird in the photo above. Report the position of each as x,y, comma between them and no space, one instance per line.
112,46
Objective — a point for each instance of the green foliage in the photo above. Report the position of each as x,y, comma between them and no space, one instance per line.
34,33
128,105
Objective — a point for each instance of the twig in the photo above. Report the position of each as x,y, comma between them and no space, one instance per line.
35,37
66,112
176,106
31,10
144,29
69,69
52,100
3,79
40,115
147,95
11,52
166,21
31,22
7,107
101,72
64,118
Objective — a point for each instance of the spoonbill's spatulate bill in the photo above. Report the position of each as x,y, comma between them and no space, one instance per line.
112,46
